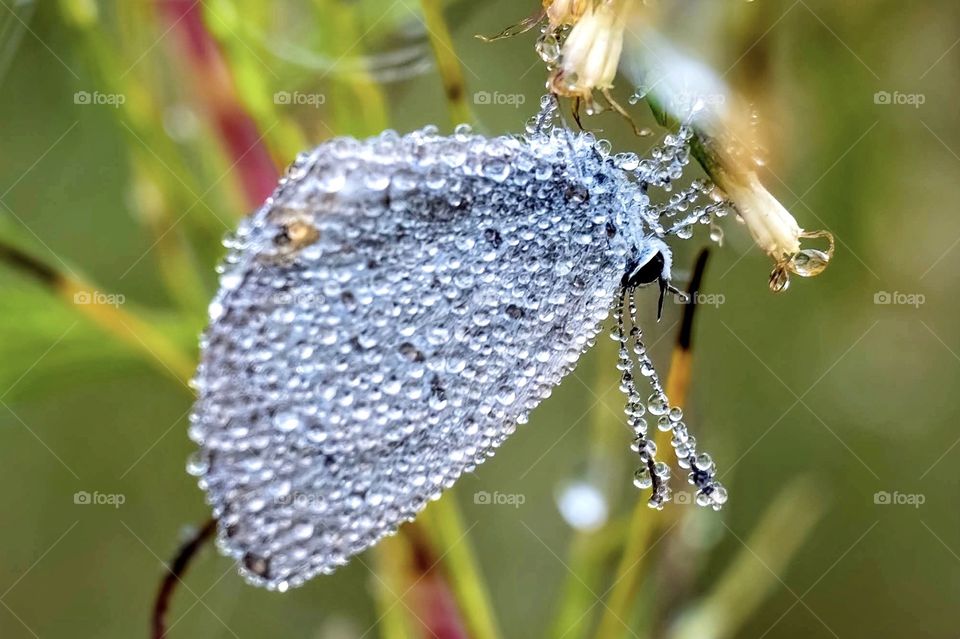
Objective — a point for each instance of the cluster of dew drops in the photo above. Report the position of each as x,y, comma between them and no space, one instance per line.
698,203
655,474
676,216
665,163
683,209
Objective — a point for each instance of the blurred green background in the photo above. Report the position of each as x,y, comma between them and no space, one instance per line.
825,385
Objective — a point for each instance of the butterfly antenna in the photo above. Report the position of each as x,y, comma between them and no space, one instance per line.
173,577
652,473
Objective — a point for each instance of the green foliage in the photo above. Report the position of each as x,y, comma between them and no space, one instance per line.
132,200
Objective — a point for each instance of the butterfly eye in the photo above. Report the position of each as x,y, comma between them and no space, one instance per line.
648,273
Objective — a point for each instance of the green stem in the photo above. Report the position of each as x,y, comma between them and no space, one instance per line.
392,581
448,64
126,326
702,146
358,103
588,558
753,573
589,551
449,538
150,174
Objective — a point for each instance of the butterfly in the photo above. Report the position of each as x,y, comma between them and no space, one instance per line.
392,313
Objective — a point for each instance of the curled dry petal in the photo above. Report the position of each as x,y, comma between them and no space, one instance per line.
771,225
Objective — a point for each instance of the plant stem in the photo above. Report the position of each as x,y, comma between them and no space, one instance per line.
587,555
150,173
392,560
124,325
239,135
256,79
753,572
449,537
358,104
448,64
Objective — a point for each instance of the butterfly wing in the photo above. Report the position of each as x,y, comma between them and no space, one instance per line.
384,323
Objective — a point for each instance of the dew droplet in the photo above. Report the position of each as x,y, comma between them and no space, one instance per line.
287,421
642,479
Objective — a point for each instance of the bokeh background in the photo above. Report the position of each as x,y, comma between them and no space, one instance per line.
135,133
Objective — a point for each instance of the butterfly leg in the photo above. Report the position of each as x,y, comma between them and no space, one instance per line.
637,131
651,474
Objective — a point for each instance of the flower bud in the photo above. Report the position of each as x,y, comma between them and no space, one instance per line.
591,51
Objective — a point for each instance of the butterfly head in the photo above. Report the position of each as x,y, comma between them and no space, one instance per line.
651,263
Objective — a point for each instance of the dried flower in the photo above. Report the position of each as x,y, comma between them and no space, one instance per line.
770,224
591,51
565,12
685,91
774,229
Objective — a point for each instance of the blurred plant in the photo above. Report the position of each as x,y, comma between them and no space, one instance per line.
582,44
683,92
427,580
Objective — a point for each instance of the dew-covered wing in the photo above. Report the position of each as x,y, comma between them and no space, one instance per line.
384,322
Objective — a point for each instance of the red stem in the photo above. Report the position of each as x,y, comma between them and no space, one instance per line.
430,595
175,571
214,88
